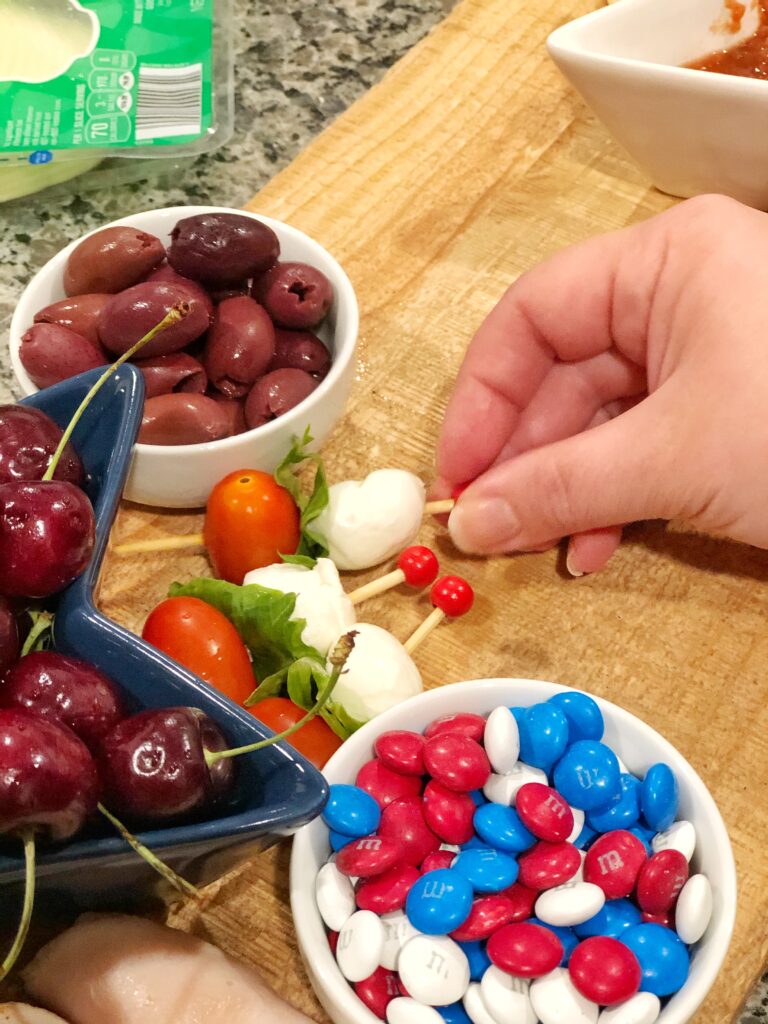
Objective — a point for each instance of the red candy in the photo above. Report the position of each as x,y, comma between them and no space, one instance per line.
419,566
401,751
403,823
525,950
373,855
385,893
666,918
613,862
378,991
546,865
660,881
450,815
604,970
522,900
437,861
544,812
333,941
487,914
456,762
463,723
384,785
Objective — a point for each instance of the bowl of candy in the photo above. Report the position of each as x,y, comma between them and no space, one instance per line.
264,351
660,76
510,849
97,728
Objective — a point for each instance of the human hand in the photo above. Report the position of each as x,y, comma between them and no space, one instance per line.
625,378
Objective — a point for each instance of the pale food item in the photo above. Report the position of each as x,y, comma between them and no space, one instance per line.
320,598
368,521
23,1013
42,38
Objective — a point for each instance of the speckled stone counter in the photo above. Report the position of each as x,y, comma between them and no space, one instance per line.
298,66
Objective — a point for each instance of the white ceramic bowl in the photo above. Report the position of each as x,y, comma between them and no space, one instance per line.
636,743
691,131
182,476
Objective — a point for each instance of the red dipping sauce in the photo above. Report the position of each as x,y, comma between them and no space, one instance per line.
749,59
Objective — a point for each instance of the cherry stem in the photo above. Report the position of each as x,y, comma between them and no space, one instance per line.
28,837
173,316
42,622
338,658
179,883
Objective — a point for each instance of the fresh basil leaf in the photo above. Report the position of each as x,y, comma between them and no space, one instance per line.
312,544
342,723
305,677
272,686
305,560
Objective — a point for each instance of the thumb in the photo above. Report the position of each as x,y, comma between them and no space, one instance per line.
621,471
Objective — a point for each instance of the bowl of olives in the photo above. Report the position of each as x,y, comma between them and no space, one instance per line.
265,351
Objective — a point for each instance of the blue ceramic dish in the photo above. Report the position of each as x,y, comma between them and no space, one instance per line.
277,791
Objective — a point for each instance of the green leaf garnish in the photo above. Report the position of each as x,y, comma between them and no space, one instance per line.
312,544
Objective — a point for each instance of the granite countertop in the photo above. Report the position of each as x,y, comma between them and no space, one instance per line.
298,66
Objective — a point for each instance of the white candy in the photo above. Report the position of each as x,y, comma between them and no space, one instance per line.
578,824
408,1011
556,1000
397,931
320,598
434,969
475,1007
450,847
368,521
361,941
502,740
680,836
644,1008
507,999
379,673
694,909
335,897
570,904
503,789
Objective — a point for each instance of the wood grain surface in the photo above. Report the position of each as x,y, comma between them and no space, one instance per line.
470,162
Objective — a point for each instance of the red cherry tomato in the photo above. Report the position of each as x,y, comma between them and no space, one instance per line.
250,521
203,640
315,740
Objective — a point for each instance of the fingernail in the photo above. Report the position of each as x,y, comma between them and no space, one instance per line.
483,525
570,567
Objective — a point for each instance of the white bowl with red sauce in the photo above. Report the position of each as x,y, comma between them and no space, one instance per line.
692,131
182,475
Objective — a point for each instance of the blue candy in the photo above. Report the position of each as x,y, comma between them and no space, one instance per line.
645,835
479,961
585,719
479,797
588,775
475,843
662,955
454,1014
543,735
502,828
585,837
337,840
567,936
351,811
616,917
439,901
487,870
622,812
659,797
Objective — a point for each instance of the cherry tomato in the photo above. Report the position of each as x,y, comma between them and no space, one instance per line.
249,522
203,640
315,740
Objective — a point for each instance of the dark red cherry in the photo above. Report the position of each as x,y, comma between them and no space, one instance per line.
9,636
28,439
153,767
64,689
48,779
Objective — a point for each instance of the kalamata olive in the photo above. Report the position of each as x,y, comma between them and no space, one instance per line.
175,372
294,294
241,343
300,350
234,408
111,260
182,419
134,312
275,393
80,314
165,272
28,439
50,353
222,249
220,294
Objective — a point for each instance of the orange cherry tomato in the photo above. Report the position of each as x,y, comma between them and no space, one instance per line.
203,640
315,740
249,522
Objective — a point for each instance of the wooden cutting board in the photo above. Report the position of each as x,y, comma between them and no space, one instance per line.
472,161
